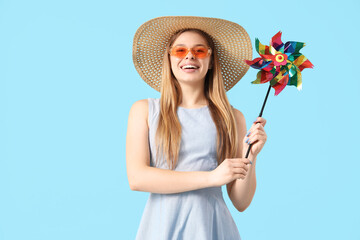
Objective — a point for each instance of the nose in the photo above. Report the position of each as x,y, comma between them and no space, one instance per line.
190,55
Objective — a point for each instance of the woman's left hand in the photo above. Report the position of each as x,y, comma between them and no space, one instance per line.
255,136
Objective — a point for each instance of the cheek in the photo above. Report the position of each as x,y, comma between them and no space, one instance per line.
206,65
173,64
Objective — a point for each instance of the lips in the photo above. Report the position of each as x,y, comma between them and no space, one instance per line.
189,66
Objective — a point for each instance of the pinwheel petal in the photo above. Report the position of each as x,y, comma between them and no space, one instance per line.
258,63
263,77
294,56
299,80
269,67
292,69
302,62
279,85
268,57
272,50
305,64
260,48
293,47
275,70
277,43
295,77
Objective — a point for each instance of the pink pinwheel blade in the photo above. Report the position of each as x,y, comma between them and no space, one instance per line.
276,41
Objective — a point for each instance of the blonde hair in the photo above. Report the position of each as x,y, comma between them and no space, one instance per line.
168,134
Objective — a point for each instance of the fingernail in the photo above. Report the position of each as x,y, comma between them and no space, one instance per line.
250,161
247,140
248,134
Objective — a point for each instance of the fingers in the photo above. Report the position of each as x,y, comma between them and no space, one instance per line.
255,130
256,126
240,163
240,172
260,120
257,135
239,167
240,160
240,176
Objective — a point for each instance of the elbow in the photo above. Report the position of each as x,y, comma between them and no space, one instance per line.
133,184
132,176
242,208
137,179
133,187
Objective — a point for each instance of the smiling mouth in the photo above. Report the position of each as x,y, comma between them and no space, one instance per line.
189,67
190,70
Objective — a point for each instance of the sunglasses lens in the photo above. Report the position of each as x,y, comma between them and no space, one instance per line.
181,52
200,52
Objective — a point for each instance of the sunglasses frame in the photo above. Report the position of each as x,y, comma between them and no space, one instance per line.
192,51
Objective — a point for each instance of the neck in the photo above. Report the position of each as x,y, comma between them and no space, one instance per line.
193,96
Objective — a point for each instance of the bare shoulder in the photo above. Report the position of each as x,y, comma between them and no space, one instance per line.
139,110
240,122
140,104
239,116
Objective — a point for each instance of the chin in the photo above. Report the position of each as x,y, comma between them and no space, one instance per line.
194,78
189,82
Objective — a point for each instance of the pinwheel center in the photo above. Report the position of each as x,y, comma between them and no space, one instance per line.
279,58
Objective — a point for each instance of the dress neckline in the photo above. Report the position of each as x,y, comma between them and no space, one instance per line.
193,108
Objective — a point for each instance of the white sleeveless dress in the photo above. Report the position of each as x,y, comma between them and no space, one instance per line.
193,215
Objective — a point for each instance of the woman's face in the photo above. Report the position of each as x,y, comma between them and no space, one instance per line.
190,76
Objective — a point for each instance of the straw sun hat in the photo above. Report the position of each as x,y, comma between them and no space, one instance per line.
232,44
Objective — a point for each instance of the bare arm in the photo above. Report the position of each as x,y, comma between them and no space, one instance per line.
158,180
242,191
143,177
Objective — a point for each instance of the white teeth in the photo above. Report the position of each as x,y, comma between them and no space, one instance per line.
189,67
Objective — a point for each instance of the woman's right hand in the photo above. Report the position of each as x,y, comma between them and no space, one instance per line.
229,170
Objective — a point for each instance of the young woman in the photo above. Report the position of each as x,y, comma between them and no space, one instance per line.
184,146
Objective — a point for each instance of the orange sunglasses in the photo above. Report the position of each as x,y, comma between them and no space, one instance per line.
198,52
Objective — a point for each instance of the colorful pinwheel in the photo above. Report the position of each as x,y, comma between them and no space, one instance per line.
280,64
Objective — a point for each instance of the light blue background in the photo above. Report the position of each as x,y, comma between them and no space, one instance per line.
67,82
